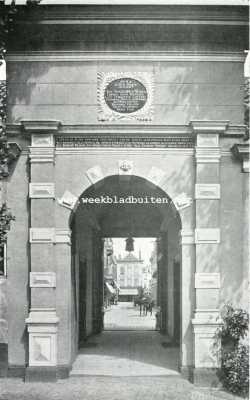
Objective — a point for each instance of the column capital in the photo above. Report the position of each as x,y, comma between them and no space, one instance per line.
241,152
209,126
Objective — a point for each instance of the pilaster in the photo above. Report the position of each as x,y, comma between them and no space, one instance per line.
241,153
207,240
42,321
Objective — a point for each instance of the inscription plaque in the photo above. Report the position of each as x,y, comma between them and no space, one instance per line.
125,95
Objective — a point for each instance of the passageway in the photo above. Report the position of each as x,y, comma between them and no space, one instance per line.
127,353
125,316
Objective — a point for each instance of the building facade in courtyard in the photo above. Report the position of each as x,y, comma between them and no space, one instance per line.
130,274
130,120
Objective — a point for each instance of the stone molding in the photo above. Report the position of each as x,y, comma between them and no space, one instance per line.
207,280
62,236
41,190
123,151
209,126
207,191
187,236
241,152
207,235
40,126
210,155
131,131
141,14
42,154
62,56
42,279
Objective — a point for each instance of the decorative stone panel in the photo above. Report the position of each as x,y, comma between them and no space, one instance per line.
208,140
182,201
125,167
68,200
44,140
41,190
207,191
205,355
42,279
156,175
207,280
42,329
42,235
94,174
207,235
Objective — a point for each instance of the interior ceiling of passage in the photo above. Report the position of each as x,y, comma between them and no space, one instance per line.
119,220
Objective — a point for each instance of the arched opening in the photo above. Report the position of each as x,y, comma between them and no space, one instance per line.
122,206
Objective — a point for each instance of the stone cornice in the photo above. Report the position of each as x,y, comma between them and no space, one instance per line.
39,126
138,2
241,152
182,56
140,130
203,126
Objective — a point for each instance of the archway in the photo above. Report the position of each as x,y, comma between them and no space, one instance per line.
122,206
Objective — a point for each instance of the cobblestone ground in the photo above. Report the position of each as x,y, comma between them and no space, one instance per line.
125,316
109,388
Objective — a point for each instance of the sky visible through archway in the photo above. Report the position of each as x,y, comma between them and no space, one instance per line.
143,245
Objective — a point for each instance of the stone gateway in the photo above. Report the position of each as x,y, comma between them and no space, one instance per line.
144,101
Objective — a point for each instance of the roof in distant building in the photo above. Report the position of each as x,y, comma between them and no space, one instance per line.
128,291
130,257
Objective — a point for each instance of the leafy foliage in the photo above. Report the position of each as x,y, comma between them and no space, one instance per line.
235,323
234,372
235,369
5,220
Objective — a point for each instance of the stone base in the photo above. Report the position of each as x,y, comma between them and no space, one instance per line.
41,374
63,371
16,371
3,360
206,377
187,373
